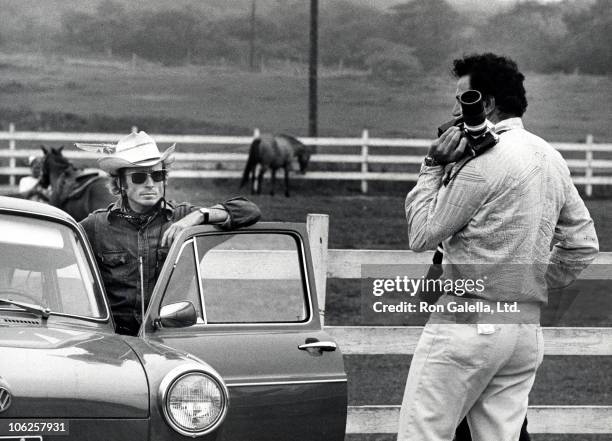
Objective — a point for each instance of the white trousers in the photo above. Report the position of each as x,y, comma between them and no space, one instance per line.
456,371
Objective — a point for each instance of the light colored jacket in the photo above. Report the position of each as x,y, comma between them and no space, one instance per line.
507,211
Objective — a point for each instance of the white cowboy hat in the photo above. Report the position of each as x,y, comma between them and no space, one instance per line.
133,150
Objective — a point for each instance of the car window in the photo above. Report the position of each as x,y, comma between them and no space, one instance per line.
251,278
240,278
43,262
28,281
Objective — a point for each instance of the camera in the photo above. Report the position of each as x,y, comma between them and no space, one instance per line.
473,123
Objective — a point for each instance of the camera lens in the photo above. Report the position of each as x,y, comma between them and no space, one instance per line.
472,109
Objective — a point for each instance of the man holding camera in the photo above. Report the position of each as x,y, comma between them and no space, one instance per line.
497,198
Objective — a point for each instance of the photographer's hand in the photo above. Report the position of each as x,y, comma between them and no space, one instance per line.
449,147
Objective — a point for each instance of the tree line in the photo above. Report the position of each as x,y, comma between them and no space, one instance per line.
409,38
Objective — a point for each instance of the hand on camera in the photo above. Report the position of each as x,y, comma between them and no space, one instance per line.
449,147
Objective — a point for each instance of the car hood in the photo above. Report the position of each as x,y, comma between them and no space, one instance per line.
68,372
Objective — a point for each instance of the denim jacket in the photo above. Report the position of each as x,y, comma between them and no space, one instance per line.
514,205
119,241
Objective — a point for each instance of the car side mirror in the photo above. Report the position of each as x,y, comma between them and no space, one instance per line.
177,315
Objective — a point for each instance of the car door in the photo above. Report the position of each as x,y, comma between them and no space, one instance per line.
258,326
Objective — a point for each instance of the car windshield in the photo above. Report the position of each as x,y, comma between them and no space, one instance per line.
43,263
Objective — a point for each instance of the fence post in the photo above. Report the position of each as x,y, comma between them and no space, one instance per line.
364,159
255,171
12,162
317,226
588,171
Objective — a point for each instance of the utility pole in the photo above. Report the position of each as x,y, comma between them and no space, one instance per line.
252,38
312,69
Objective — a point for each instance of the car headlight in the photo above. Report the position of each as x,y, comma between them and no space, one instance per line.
194,402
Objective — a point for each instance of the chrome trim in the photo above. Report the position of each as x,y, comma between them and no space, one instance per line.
5,399
24,437
178,256
304,268
175,375
280,383
199,276
67,219
306,278
322,345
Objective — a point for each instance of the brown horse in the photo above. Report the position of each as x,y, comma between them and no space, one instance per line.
75,191
273,152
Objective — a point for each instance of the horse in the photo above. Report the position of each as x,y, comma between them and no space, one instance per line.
273,152
73,190
29,187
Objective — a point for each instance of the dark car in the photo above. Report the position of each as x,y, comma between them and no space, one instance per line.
231,347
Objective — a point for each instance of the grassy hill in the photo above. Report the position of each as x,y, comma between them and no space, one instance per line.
561,107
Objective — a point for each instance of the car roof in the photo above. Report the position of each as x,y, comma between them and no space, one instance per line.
31,207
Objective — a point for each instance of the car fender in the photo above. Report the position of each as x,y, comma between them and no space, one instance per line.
159,363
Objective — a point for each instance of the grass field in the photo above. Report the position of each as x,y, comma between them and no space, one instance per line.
562,107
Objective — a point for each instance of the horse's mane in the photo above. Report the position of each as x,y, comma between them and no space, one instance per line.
295,143
57,159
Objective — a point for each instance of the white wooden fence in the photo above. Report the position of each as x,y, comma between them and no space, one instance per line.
385,340
409,151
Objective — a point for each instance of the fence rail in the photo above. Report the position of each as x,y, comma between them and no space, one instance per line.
402,340
394,340
542,419
583,169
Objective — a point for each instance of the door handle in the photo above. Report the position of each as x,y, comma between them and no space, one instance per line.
322,346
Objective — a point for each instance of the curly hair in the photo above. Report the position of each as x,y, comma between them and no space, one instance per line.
114,184
495,76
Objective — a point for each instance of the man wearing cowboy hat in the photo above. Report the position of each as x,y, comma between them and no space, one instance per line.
132,236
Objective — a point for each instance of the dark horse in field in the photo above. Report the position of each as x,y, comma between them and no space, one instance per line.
75,191
273,152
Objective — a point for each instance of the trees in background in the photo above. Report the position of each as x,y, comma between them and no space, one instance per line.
431,27
534,34
391,62
170,36
345,31
413,36
108,31
589,42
